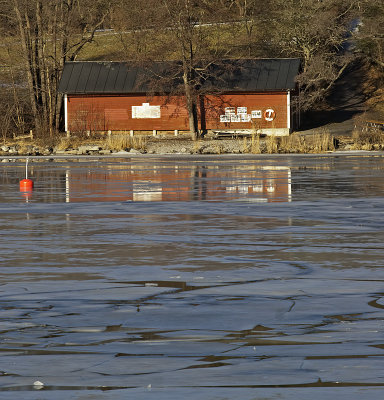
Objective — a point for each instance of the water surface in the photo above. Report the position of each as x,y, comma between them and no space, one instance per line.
199,278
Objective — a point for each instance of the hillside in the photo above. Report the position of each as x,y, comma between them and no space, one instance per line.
354,99
326,36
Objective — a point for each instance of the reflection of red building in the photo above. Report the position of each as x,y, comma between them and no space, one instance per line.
151,183
251,94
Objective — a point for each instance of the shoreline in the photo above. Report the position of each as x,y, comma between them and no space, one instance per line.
122,146
53,157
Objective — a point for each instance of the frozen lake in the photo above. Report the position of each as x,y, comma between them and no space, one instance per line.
193,278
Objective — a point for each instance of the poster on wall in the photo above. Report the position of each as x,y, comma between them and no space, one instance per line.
230,111
235,118
146,111
236,114
225,118
241,110
256,114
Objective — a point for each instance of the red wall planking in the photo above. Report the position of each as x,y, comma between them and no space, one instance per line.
114,112
216,105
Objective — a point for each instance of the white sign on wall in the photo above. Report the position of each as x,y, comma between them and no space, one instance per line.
225,118
239,114
230,111
241,110
256,114
245,117
146,111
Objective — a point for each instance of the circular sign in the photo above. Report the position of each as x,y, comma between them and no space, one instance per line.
269,114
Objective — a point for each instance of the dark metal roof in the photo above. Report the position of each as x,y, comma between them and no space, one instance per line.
259,75
232,75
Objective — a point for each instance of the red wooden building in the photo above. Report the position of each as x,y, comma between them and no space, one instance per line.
112,96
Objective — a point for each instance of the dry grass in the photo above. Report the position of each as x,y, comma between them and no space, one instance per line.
272,144
243,145
66,143
255,144
219,148
316,143
197,146
323,142
293,144
125,142
368,139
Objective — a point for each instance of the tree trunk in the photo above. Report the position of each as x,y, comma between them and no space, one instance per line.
191,107
25,44
41,89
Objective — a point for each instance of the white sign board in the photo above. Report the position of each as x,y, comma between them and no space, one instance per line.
256,114
146,111
241,110
245,117
230,111
238,114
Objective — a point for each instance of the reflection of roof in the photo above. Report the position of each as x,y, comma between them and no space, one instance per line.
231,75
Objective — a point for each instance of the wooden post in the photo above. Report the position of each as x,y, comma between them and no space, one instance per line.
176,132
154,132
88,133
68,133
109,133
131,133
31,133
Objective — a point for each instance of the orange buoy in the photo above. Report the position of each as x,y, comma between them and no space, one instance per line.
26,185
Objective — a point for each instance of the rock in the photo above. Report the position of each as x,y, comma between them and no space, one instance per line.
12,150
4,148
122,152
105,152
88,149
47,152
134,151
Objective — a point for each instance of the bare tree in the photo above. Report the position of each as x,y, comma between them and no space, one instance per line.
193,35
51,32
187,34
369,31
317,33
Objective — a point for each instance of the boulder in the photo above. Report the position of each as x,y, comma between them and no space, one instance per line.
122,152
134,151
85,149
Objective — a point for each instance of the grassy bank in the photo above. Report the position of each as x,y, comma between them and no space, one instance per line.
316,143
